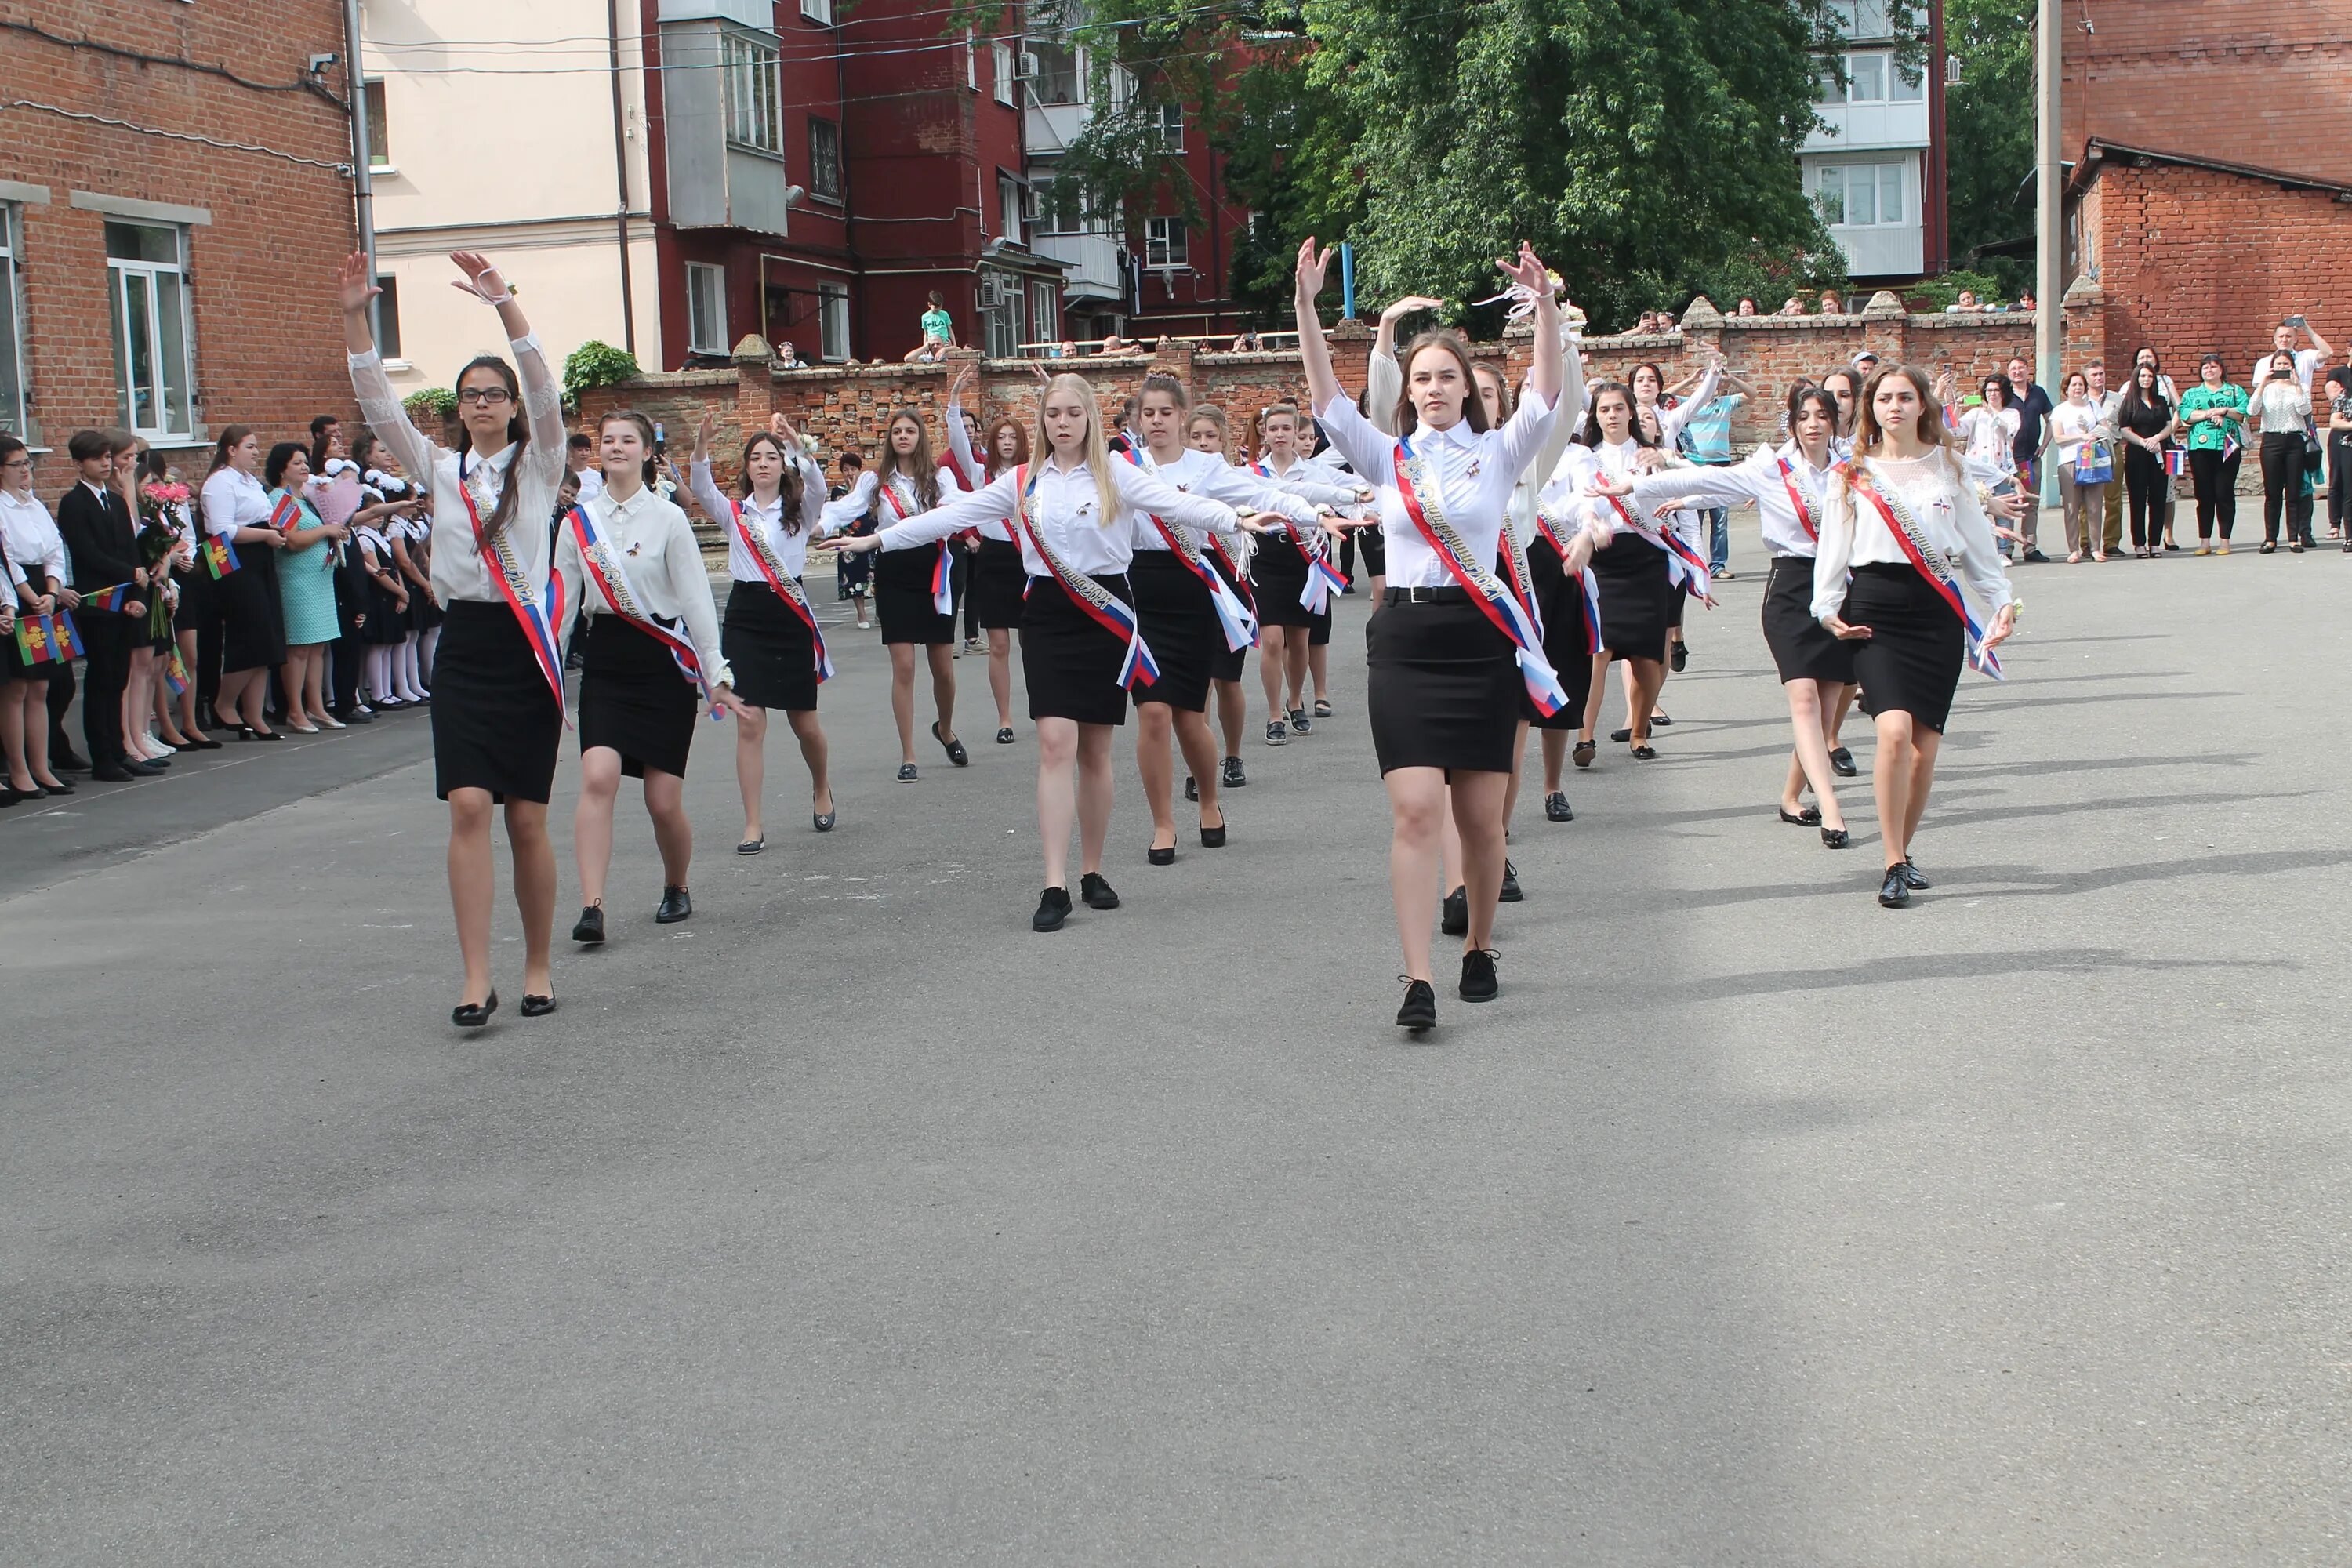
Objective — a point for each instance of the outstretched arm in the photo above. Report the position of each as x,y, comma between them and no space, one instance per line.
355,291
1314,354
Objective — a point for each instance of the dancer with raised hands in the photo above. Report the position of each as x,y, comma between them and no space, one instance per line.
1083,647
498,708
1452,647
1904,550
1293,576
914,594
1787,484
1190,612
1207,431
997,581
770,639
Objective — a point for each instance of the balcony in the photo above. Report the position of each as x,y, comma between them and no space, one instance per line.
714,181
1862,127
1094,264
1050,128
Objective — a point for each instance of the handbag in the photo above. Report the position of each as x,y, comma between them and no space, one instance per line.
2095,463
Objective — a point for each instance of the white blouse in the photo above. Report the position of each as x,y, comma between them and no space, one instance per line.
2072,423
1471,472
1936,492
1755,478
1991,436
1206,473
233,500
656,548
1069,512
2281,407
975,473
1315,484
766,519
33,544
458,569
841,516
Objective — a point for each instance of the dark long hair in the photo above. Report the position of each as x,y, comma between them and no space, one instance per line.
517,433
319,428
926,468
1589,433
644,429
1438,340
788,489
230,438
2136,405
1805,392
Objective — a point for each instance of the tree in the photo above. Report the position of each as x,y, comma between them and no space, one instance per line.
1988,132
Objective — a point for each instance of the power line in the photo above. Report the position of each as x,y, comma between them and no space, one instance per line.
173,135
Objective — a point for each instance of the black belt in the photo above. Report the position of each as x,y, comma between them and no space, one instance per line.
1426,596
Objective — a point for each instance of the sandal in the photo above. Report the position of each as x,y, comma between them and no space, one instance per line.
1322,708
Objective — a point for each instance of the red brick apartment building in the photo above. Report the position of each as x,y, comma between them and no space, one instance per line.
174,190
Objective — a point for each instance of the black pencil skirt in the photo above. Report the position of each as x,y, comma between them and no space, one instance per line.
1911,661
1068,660
1637,597
769,648
1181,625
1802,648
1442,687
902,596
495,725
1278,574
634,698
998,578
1559,600
252,635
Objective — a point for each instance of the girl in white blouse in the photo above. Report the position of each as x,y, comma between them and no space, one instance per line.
629,560
38,571
1279,572
1904,550
498,709
769,638
995,580
1078,634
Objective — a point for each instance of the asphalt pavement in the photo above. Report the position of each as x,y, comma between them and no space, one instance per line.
850,1222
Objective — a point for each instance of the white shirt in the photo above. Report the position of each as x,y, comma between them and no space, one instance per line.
1467,474
1066,510
2306,361
1991,436
1309,480
458,569
2279,408
1936,492
2072,423
592,482
655,547
1755,478
33,544
864,496
234,499
1206,474
766,519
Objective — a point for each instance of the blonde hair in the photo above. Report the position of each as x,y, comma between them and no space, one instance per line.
1211,415
1090,445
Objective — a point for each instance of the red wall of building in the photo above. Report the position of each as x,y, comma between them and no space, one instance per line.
1200,302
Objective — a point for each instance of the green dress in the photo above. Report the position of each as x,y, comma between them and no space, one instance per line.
306,580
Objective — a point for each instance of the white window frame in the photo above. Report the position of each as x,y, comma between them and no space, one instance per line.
1047,48
1044,311
387,316
1002,57
1168,127
833,321
1004,310
375,106
972,59
1167,245
120,274
831,167
13,398
755,92
817,11
1891,73
706,298
1905,192
1010,202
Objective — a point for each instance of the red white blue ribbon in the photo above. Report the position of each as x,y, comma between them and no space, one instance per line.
1797,501
943,579
1921,551
1107,609
539,615
1684,565
604,569
1495,601
785,588
1233,617
1586,580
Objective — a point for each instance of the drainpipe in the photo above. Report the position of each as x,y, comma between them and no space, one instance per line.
620,173
363,157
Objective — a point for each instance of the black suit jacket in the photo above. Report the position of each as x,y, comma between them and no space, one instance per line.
99,537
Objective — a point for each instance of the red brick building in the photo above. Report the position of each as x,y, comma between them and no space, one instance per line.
174,194
2206,198
1184,262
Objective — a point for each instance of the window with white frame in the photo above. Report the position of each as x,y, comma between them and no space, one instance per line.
1861,19
387,315
1862,196
1002,309
818,11
1008,206
1871,76
754,94
833,321
706,308
12,321
1164,244
1168,127
1045,310
1061,71
379,136
972,59
824,158
154,367
1001,58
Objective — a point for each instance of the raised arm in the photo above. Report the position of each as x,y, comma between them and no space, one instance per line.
970,469
836,516
379,406
1672,420
542,400
1383,385
966,508
1314,354
707,493
2326,349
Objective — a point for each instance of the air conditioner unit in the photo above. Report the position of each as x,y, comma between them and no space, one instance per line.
1952,70
1024,67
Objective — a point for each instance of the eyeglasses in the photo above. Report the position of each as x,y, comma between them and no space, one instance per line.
487,396
24,463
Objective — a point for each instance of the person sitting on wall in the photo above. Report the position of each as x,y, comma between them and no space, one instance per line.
1746,307
1966,301
789,356
1793,306
1831,304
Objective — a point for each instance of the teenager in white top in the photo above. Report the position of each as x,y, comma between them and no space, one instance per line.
1207,431
1869,590
1279,571
995,581
39,575
498,712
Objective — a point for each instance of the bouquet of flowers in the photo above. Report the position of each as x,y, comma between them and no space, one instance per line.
163,504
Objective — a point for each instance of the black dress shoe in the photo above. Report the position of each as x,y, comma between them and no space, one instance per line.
62,760
1214,837
1620,736
676,905
1645,750
1004,736
1661,722
1679,657
1454,914
112,775
1420,1009
1236,779
10,794
474,1015
1053,908
956,753
907,773
1555,808
1582,753
1191,787
60,787
1893,893
537,1006
1478,982
1833,838
205,743
1841,763
1809,817
143,770
1911,878
1512,893
1097,892
1158,857
590,926
749,847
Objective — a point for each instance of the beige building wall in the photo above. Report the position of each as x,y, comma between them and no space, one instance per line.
498,136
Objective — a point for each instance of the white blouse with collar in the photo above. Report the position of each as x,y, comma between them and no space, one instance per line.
1472,473
1068,512
1936,490
656,547
766,519
1207,474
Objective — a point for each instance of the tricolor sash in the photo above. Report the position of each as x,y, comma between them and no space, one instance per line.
1684,565
1927,561
537,614
1797,499
943,583
47,639
1495,602
786,589
606,571
1586,580
1233,617
1107,609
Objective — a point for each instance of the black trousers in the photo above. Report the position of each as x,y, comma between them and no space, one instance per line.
2282,479
2144,485
106,674
2217,490
61,696
2339,480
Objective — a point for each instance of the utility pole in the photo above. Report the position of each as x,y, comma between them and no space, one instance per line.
363,156
2049,199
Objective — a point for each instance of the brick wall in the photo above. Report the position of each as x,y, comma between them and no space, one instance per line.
266,332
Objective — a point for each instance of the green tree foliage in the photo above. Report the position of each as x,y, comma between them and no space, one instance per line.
595,363
1989,131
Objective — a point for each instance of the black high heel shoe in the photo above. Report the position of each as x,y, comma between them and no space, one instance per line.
474,1015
